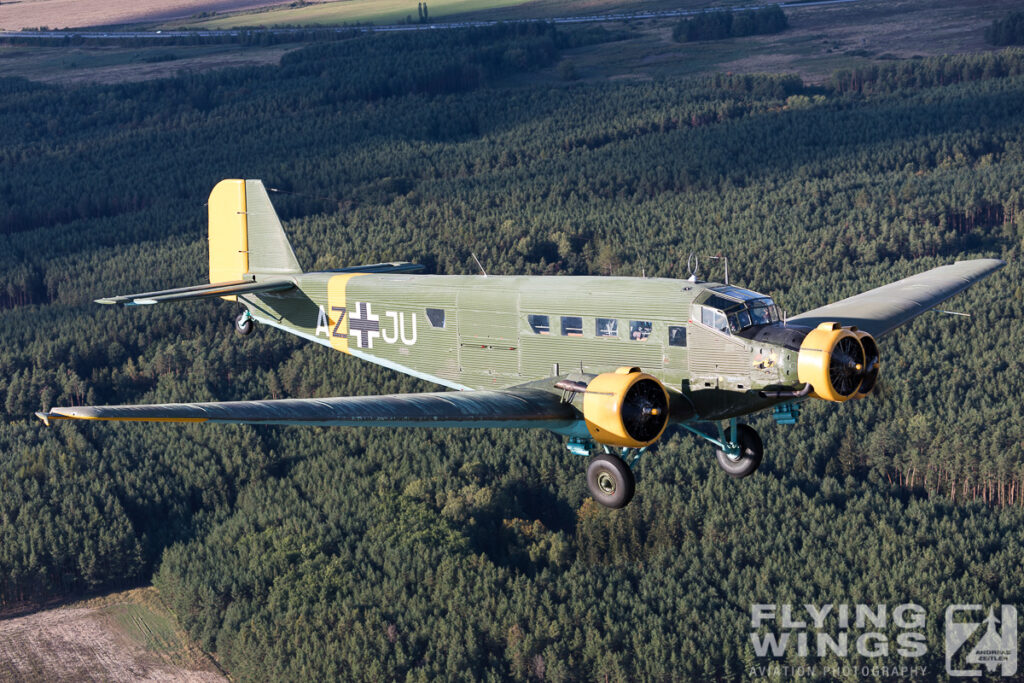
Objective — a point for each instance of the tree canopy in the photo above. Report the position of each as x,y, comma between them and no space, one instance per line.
357,554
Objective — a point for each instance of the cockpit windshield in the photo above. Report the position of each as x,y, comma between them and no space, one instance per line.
742,308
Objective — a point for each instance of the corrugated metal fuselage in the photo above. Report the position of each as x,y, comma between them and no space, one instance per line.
477,332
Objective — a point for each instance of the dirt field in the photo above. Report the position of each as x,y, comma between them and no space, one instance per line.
18,14
122,637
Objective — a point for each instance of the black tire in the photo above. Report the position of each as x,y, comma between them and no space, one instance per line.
610,481
243,325
751,452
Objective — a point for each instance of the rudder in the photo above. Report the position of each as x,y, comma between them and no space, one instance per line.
247,241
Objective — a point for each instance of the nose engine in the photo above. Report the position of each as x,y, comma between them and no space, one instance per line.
838,362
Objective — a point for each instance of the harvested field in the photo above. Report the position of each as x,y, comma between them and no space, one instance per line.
123,637
18,14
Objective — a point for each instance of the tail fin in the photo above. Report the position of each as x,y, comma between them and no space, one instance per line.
247,241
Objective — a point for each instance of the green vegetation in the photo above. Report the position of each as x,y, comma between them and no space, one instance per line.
349,554
718,25
1007,31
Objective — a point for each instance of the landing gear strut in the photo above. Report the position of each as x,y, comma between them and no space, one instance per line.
244,324
738,447
743,459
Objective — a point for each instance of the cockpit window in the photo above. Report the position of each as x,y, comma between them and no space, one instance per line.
734,316
737,293
714,319
721,302
761,311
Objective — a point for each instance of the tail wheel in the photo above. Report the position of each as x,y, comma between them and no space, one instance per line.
610,481
244,324
749,458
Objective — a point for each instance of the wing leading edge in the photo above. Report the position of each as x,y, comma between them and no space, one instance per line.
881,310
523,408
198,292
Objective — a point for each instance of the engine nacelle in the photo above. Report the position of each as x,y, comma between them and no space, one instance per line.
872,363
840,363
625,408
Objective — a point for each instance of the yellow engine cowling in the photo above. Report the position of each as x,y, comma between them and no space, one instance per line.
838,362
625,408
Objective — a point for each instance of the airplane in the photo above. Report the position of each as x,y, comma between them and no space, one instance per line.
608,362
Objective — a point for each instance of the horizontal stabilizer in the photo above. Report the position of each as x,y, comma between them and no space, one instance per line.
881,310
198,292
525,408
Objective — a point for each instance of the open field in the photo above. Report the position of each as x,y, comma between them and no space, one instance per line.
356,11
820,40
107,64
125,636
18,14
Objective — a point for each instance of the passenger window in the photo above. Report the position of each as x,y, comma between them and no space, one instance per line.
572,326
436,317
539,324
676,336
607,327
639,330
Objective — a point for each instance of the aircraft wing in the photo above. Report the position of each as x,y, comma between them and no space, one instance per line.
881,310
524,408
198,292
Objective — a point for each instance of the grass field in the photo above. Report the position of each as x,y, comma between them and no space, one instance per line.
126,636
354,11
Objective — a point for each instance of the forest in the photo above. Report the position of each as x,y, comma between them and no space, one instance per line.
1006,31
358,554
717,25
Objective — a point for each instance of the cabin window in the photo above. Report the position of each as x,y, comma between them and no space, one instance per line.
572,326
539,324
436,317
607,327
639,330
676,335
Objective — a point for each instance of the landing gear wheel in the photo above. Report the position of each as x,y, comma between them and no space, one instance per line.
751,451
243,324
610,481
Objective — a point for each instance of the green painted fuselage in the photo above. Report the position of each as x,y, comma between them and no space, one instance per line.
480,332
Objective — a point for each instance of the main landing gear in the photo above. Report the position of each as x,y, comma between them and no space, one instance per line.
244,324
737,446
610,478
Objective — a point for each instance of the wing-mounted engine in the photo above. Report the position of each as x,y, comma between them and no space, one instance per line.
872,362
626,408
839,362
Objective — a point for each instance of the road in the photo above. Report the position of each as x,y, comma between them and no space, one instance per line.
158,36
